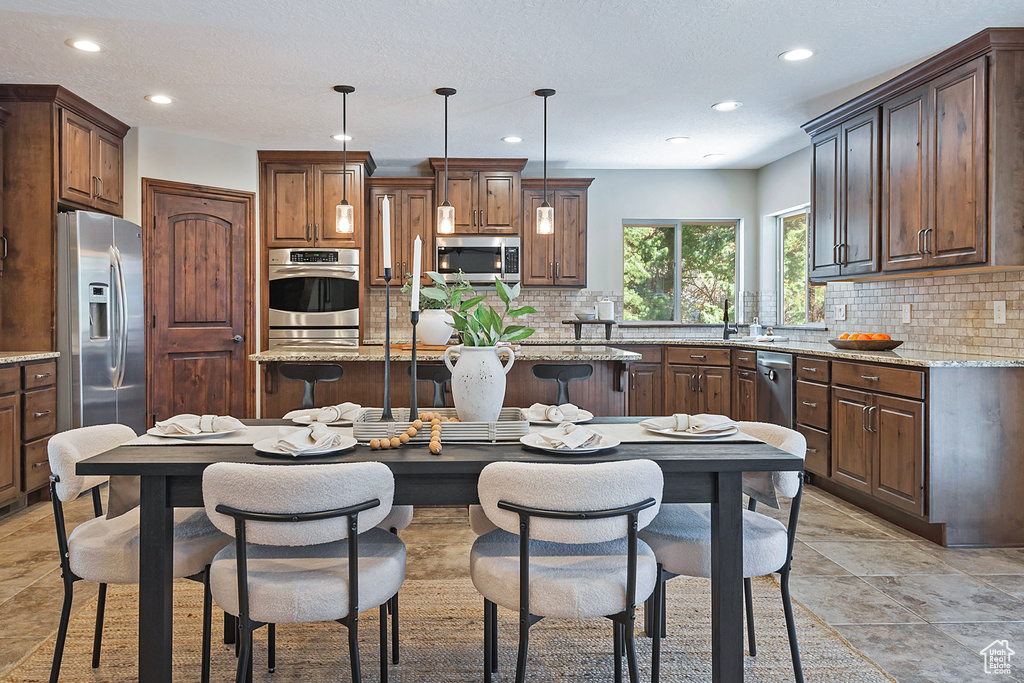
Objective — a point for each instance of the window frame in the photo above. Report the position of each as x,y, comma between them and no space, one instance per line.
780,270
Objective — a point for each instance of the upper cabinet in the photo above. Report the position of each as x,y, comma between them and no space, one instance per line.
300,191
3,237
486,194
560,259
91,164
923,172
412,215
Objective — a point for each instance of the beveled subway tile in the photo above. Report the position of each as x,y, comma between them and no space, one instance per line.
949,598
915,653
848,600
882,558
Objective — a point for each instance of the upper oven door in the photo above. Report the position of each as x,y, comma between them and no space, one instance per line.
311,296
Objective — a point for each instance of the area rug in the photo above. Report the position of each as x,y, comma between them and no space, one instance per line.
441,634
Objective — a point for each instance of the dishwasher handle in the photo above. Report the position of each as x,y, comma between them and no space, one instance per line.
775,364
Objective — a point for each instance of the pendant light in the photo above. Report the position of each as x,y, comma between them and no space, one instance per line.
445,212
344,213
545,213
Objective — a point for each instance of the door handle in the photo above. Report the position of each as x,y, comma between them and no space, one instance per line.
100,181
309,231
809,404
474,218
238,339
92,190
835,254
844,253
920,241
45,412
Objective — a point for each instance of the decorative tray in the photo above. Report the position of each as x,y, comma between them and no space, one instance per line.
865,344
511,425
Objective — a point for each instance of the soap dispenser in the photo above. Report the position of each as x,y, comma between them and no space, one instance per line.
755,328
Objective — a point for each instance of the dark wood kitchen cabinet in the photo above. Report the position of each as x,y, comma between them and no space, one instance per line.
646,382
698,380
412,215
744,406
91,163
10,448
4,114
486,194
559,259
681,392
28,416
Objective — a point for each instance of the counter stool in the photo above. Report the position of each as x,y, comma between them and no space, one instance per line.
563,374
311,374
438,374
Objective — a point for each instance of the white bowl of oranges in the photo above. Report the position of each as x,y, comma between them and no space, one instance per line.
858,341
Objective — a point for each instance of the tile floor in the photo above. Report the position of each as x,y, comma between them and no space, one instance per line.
924,613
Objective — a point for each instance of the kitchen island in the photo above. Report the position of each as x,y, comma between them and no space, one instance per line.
604,393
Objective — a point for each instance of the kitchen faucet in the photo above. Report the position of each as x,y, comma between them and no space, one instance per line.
728,330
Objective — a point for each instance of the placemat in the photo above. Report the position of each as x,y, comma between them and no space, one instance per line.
247,436
634,433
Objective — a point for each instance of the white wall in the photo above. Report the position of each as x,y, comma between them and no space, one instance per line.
782,185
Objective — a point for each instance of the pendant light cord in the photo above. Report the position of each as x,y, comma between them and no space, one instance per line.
344,146
545,148
446,149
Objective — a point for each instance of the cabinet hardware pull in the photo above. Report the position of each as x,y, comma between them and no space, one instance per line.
812,450
809,369
316,231
551,269
558,270
845,253
43,375
927,235
309,231
863,418
835,254
695,356
45,412
40,464
809,405
100,181
873,379
4,238
744,358
870,413
920,244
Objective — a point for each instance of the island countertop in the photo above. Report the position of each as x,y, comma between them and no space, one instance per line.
25,356
551,352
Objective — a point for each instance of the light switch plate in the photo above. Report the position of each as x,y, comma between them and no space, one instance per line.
999,312
840,311
393,313
906,313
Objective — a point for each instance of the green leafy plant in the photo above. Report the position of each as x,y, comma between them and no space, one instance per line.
484,326
444,295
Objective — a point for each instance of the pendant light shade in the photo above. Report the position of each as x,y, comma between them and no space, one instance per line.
344,213
445,212
545,223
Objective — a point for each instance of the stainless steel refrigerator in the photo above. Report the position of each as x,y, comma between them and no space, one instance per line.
101,375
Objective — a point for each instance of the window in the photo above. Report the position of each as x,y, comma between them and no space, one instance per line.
800,302
678,271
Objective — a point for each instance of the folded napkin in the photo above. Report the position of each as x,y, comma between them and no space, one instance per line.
701,424
539,412
569,436
343,411
299,441
187,424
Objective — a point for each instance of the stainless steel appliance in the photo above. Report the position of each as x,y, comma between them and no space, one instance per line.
314,298
775,388
479,258
101,372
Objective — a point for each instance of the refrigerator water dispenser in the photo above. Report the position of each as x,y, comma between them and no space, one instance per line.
98,311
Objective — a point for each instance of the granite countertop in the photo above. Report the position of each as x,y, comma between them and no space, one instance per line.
25,356
554,352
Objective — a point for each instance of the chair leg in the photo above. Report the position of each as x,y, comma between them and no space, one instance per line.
617,652
524,647
384,642
230,630
656,617
62,633
663,611
207,626
97,639
353,648
271,648
244,645
749,600
794,649
248,666
487,640
630,647
494,637
648,629
394,629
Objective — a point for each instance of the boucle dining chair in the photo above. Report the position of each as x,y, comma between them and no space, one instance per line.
307,548
398,519
681,539
106,551
566,547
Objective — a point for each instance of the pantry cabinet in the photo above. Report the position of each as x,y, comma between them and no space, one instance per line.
486,194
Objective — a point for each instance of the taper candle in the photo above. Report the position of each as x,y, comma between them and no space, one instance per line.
417,247
386,225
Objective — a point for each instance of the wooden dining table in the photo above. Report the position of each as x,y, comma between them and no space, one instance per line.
704,472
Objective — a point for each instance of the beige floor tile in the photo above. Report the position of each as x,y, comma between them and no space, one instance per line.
916,653
950,598
882,558
848,600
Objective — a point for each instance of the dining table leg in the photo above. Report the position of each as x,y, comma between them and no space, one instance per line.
727,579
156,536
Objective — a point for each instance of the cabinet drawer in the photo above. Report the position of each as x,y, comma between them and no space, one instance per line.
814,369
35,471
812,404
39,375
650,354
744,358
887,380
39,414
818,457
10,379
697,356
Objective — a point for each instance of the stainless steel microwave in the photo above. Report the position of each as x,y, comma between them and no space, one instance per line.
479,258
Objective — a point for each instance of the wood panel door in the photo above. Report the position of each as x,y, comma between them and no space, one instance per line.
714,388
538,262
859,203
108,156
905,122
10,448
744,407
825,178
570,238
898,469
852,443
375,260
462,194
958,228
329,186
77,179
497,202
418,219
646,387
681,394
199,258
289,205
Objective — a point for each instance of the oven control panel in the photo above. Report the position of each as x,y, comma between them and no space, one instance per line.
511,260
313,256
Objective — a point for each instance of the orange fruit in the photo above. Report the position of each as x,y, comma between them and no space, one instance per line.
844,336
879,335
860,336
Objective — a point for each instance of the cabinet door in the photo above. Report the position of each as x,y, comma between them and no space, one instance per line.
375,257
418,219
108,156
681,389
904,173
898,426
958,225
289,218
825,177
744,408
646,386
851,441
538,255
715,397
329,188
859,201
10,448
77,179
570,238
461,195
497,202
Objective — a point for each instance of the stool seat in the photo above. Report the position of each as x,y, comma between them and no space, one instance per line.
563,374
438,374
311,374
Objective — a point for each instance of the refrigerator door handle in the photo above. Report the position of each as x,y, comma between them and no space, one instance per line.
115,315
122,318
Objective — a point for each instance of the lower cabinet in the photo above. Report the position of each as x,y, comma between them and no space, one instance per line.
646,389
28,418
744,404
10,448
698,389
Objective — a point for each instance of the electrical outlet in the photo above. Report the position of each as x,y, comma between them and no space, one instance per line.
393,313
906,313
999,312
840,311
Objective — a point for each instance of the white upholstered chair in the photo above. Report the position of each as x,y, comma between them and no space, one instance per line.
107,550
398,519
307,547
566,547
681,539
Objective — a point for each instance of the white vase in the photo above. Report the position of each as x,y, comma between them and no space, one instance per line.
478,381
434,327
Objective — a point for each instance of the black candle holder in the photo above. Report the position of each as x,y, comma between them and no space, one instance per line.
414,317
386,415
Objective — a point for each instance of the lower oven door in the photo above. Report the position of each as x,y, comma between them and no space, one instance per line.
302,297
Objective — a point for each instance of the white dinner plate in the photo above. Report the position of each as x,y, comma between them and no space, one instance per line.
267,447
585,416
153,431
655,426
536,441
307,420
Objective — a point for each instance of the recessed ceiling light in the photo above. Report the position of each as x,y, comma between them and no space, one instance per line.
677,140
728,105
512,138
160,99
714,157
340,137
797,54
85,45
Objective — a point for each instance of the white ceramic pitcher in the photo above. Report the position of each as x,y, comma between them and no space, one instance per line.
478,380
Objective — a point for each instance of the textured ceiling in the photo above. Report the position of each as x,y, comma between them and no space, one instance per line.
629,73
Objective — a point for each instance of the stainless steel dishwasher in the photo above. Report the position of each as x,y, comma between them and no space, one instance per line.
775,388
